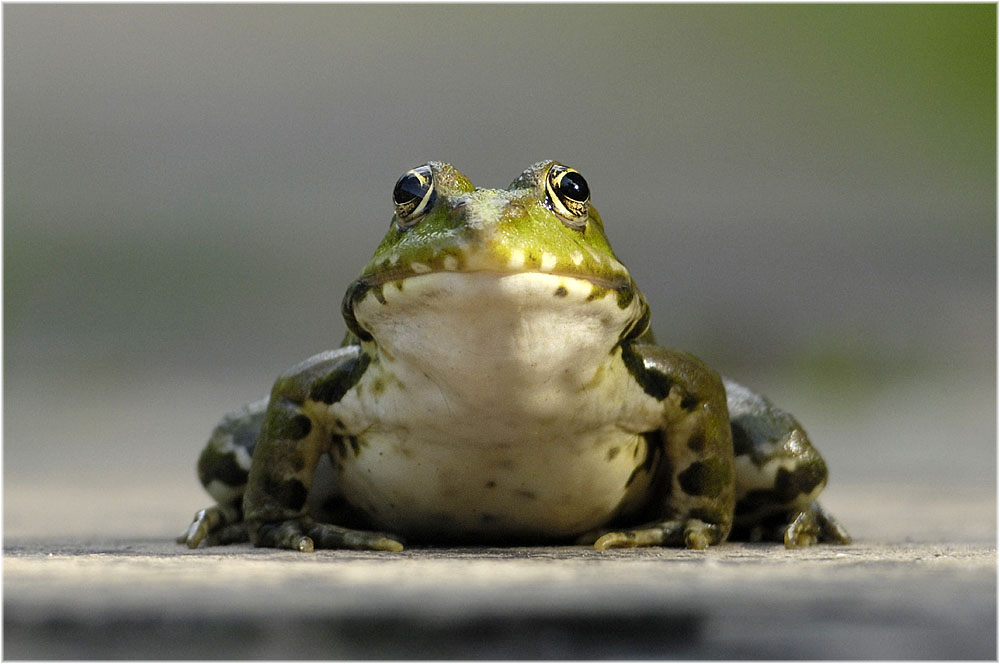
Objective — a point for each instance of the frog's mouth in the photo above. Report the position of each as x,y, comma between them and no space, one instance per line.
386,286
615,282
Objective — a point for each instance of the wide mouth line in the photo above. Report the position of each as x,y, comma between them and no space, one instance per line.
381,278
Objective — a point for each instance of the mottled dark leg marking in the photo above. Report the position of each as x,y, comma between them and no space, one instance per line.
294,437
766,440
694,505
696,443
704,478
654,382
333,388
284,442
223,469
301,425
283,466
789,485
743,443
290,494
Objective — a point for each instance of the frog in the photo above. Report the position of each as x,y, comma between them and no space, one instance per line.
499,384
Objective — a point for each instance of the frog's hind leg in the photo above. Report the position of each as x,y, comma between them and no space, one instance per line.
223,469
778,475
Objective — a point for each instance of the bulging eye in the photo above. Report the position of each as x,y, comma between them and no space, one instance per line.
413,195
568,195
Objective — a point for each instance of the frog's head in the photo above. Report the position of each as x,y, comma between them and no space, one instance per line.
542,224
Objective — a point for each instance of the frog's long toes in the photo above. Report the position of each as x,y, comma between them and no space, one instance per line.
696,539
386,544
214,525
193,537
327,536
799,540
615,540
803,531
655,535
812,526
197,531
283,535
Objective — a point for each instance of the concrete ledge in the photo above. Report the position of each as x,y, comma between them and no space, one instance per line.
153,599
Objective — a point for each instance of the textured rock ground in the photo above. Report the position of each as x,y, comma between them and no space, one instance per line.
930,596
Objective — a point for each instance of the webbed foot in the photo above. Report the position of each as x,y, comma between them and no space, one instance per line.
306,535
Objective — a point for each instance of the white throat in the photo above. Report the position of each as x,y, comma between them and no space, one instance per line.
520,337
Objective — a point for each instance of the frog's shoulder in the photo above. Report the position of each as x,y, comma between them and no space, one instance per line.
304,379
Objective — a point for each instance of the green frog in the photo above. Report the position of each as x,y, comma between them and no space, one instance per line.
499,384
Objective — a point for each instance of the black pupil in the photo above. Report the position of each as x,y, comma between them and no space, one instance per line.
574,187
409,188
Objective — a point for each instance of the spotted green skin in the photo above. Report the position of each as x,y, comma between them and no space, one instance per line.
708,459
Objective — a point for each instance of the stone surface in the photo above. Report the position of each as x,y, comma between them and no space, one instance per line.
153,599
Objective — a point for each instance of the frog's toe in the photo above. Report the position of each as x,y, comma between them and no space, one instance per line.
692,533
627,539
282,535
306,535
327,536
801,532
213,525
812,526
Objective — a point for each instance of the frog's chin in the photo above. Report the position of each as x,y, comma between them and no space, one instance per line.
496,317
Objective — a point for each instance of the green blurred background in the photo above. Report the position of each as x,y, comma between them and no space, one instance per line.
807,195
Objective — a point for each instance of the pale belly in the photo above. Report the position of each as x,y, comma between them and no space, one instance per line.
496,407
496,488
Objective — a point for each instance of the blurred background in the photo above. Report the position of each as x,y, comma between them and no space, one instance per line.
807,195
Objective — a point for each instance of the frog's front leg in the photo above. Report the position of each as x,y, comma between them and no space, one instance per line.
694,505
295,433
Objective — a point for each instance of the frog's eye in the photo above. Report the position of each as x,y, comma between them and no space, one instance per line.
413,195
567,194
